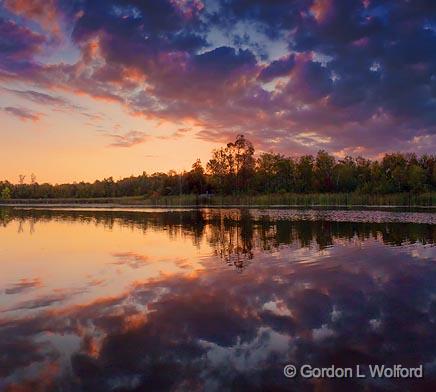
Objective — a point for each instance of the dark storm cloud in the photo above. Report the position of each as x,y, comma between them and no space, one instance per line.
351,69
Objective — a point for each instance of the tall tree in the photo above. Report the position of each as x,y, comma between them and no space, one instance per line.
305,174
241,155
196,179
324,165
233,166
218,168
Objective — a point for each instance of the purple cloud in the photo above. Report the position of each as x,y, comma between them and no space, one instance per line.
348,73
23,285
277,68
129,139
22,114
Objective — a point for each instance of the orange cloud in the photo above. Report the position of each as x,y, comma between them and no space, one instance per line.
44,12
320,9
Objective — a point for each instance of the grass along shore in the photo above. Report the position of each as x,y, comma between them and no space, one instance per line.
265,200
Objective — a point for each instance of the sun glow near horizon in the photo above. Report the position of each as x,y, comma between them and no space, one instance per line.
103,140
94,89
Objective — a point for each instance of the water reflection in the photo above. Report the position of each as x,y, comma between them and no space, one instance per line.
318,292
234,234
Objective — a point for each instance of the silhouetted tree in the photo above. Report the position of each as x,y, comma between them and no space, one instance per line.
233,169
324,165
305,174
196,180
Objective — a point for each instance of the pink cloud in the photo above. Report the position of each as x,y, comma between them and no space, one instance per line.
22,114
129,139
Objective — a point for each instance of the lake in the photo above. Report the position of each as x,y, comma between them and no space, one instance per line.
214,299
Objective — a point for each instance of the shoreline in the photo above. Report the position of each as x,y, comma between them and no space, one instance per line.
372,214
424,201
81,205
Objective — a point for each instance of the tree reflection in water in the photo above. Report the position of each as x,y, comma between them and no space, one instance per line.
234,233
367,296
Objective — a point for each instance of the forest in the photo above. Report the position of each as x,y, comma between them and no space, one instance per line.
236,170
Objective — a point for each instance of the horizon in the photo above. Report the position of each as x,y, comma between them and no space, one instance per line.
217,195
93,89
27,177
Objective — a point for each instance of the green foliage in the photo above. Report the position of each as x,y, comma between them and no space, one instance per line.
5,193
234,176
324,167
305,174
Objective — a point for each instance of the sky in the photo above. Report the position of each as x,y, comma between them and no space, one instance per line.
97,88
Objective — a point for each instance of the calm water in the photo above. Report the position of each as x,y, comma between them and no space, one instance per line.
214,300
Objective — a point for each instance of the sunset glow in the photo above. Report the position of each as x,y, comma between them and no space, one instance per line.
92,89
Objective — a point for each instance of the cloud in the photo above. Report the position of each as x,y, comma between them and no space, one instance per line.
43,301
23,285
44,99
18,46
322,333
131,259
181,322
58,103
22,114
44,12
129,139
344,70
18,42
277,68
179,133
281,309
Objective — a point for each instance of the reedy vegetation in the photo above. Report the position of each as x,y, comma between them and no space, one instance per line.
234,170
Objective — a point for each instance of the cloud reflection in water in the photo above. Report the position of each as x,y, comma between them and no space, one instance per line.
314,292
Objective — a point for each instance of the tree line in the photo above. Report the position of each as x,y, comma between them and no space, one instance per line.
235,170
